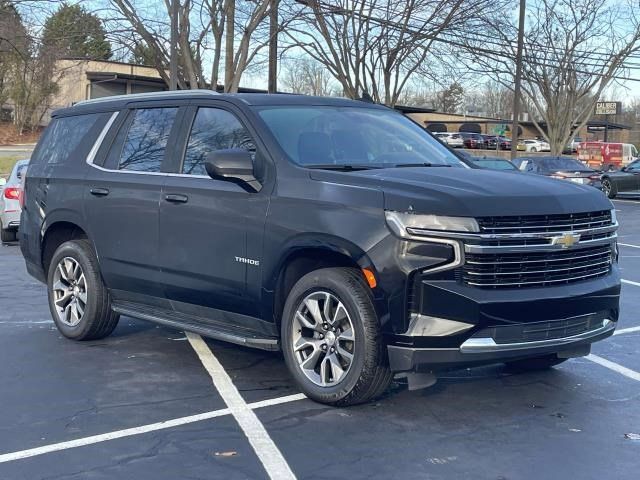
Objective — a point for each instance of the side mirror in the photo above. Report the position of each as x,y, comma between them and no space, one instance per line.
233,165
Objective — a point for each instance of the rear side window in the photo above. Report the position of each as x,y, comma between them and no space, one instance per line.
68,138
213,129
146,140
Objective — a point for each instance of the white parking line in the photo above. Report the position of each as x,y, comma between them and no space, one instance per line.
637,284
629,245
625,201
622,331
627,372
128,432
266,450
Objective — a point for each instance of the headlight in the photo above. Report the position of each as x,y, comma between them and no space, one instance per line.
400,222
614,218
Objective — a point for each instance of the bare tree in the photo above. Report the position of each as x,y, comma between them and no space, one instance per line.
376,46
573,50
307,76
207,29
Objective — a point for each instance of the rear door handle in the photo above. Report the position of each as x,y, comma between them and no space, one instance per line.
99,192
176,198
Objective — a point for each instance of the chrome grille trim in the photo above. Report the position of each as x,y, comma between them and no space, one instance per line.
537,268
543,283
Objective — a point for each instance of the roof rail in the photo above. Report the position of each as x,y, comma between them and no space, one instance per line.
147,95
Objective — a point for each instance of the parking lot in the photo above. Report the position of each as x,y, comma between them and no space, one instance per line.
149,402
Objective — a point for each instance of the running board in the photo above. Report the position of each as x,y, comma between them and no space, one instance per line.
217,332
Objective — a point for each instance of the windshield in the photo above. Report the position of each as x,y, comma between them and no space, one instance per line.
353,136
560,163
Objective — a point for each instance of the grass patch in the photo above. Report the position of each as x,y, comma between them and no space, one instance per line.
7,163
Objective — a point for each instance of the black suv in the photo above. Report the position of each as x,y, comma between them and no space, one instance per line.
337,231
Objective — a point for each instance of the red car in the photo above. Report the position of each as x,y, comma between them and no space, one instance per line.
474,140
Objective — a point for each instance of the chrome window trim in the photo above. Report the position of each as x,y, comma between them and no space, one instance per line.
98,143
488,345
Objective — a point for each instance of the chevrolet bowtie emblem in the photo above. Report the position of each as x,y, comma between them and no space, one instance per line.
567,240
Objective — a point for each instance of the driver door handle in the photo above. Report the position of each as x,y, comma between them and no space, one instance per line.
99,192
176,198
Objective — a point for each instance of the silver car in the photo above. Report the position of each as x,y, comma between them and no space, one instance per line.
10,192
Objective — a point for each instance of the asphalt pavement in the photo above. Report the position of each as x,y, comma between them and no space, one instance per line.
150,402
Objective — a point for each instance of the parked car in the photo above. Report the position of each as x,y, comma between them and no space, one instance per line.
494,163
575,142
473,140
490,141
10,209
563,168
533,146
336,231
505,143
625,181
454,140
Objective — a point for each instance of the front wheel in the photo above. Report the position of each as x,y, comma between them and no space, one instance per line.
533,149
535,364
331,340
608,188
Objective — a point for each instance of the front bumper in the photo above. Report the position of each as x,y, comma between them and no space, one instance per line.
464,326
484,350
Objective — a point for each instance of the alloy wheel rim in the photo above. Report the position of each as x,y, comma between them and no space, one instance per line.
323,339
69,291
606,187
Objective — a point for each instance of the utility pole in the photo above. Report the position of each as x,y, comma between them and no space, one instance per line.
173,60
517,86
273,47
229,50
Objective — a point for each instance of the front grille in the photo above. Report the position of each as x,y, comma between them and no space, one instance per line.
561,223
540,331
532,269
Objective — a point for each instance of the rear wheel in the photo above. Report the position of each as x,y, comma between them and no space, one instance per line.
533,364
7,236
331,340
608,188
79,302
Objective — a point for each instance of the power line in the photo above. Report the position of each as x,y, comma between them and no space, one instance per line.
336,10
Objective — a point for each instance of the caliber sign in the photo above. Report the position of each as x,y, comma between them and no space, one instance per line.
607,108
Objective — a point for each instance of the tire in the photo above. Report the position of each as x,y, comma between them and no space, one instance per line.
7,236
93,318
535,364
533,149
609,188
367,375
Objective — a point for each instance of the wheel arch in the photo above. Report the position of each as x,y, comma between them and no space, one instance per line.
54,235
304,257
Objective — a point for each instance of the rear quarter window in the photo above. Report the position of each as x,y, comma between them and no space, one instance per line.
68,139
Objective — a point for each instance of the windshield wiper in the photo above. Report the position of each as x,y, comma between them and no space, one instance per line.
423,164
341,167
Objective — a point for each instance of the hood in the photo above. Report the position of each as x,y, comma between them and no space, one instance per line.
471,192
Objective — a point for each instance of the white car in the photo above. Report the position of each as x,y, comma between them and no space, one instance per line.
10,192
454,140
534,146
